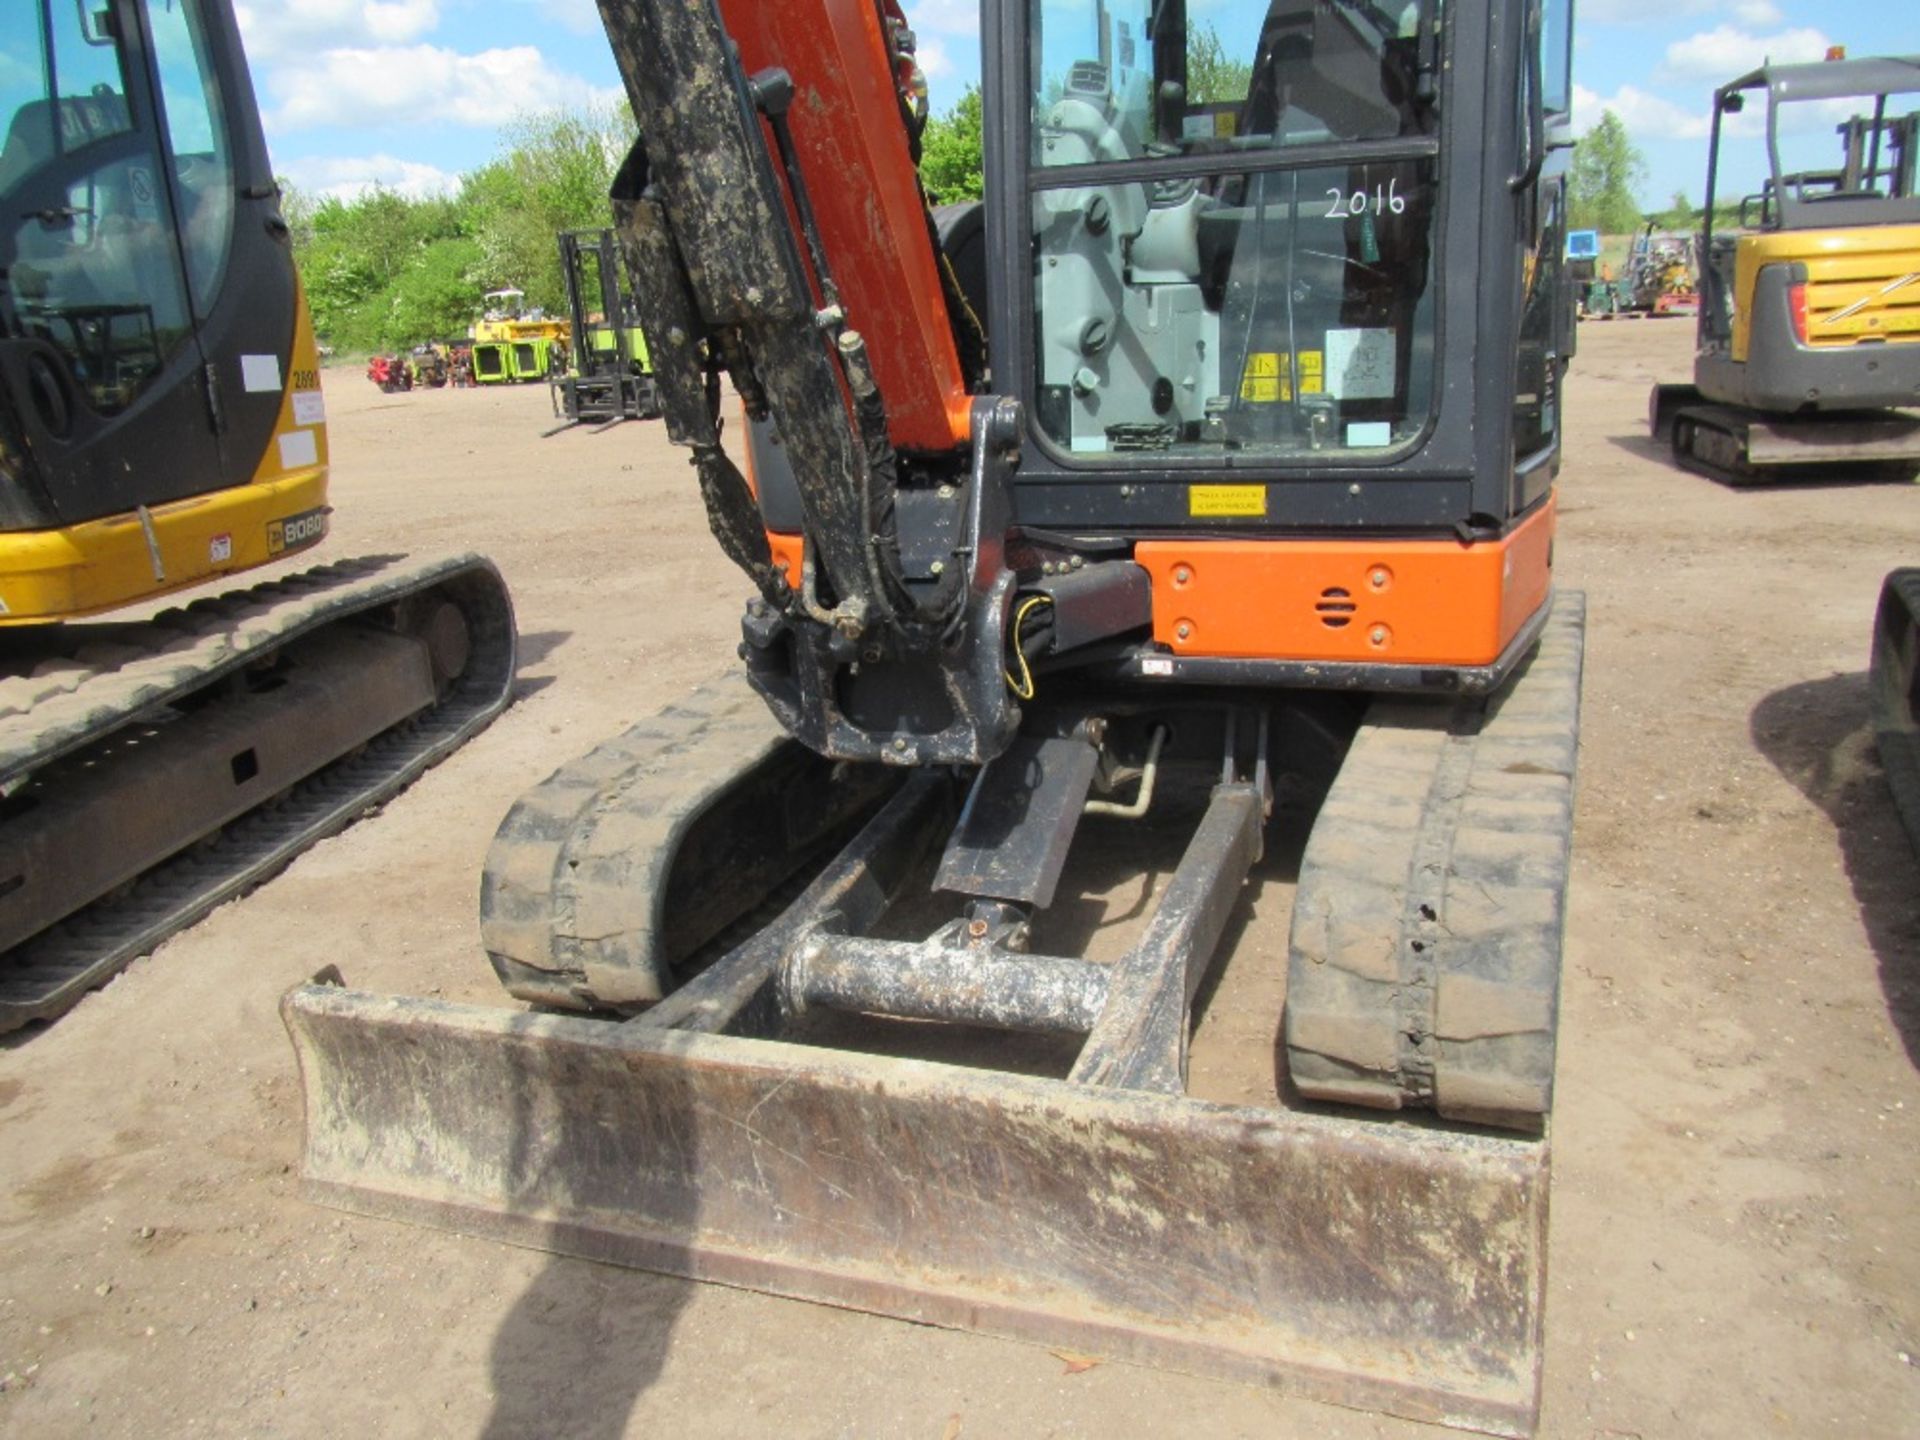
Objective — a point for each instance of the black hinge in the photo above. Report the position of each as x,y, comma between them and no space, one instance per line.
216,412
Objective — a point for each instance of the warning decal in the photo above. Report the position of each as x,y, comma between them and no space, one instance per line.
1229,500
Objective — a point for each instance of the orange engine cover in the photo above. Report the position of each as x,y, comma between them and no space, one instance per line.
1413,602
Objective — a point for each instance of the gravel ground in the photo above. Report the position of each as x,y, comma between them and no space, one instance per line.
1733,1215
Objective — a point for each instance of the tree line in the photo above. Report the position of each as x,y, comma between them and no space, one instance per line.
1607,169
387,271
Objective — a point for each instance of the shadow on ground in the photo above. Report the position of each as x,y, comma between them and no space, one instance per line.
585,1340
536,645
1817,735
578,1350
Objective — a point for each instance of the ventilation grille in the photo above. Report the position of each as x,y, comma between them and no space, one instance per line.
1335,608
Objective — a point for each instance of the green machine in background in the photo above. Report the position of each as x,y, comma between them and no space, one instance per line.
516,346
611,375
491,363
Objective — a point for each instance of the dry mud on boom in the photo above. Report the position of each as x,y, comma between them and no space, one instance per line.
727,1134
1893,678
171,765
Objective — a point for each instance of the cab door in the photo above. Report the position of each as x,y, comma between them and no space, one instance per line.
110,397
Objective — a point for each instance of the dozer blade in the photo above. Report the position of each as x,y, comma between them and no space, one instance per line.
1388,1267
1893,677
164,767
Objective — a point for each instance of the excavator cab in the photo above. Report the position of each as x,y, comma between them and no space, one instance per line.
1198,481
148,306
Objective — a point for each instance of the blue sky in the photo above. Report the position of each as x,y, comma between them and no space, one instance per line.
409,93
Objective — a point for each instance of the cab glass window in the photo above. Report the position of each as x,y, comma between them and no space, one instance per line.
89,263
1176,79
197,149
1249,271
1556,56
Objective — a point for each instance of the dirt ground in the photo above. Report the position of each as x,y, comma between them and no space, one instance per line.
1735,1242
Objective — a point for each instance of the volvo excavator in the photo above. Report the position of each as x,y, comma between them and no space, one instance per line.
161,426
1193,493
1808,357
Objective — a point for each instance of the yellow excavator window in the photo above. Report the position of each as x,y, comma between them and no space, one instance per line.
88,247
196,143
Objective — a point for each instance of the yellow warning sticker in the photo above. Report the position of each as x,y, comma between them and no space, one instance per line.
1312,372
1267,378
1226,500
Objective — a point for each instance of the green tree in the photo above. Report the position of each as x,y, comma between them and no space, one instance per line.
952,166
1680,214
553,175
355,254
1606,169
1213,78
387,270
435,298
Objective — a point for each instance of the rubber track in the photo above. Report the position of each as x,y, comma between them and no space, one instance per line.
1721,421
571,896
1424,960
78,700
1891,679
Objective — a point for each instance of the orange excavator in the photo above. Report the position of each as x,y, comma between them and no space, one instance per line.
1180,517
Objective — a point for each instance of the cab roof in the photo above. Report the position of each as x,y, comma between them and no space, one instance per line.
1833,79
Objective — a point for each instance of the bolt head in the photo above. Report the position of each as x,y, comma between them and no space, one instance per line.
1378,635
1183,630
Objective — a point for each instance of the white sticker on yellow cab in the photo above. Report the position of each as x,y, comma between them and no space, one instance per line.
298,448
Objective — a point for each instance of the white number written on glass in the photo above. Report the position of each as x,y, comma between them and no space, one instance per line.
1383,199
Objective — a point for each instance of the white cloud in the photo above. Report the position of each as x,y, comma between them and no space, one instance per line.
943,17
582,17
933,58
349,177
418,83
1638,12
1643,12
295,27
1718,55
1646,116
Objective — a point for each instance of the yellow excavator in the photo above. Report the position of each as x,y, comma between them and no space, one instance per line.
1808,359
162,425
